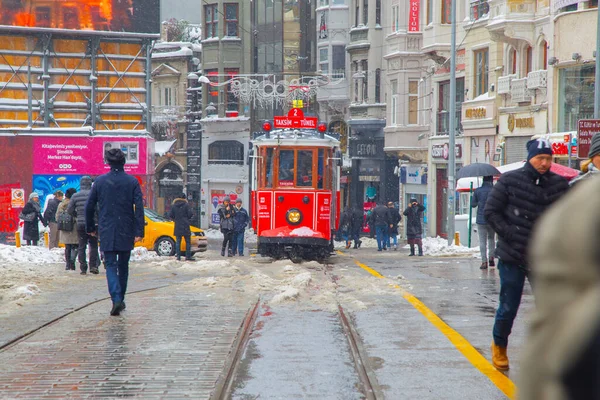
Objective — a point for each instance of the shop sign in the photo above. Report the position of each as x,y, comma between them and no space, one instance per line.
586,129
475,113
413,174
442,151
17,198
413,16
368,148
527,122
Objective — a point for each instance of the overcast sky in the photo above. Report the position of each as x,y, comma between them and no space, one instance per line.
181,9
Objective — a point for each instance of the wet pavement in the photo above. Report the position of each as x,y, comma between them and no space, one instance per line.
173,342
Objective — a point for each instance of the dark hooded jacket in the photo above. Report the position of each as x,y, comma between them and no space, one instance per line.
395,219
50,211
358,220
381,216
479,199
77,204
240,219
181,213
414,216
346,221
514,205
31,230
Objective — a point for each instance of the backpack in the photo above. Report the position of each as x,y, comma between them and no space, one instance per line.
65,222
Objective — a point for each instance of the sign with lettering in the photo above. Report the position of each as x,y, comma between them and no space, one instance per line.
442,151
475,113
586,129
413,16
295,119
367,148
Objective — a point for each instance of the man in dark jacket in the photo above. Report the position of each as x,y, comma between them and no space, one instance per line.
117,197
485,231
50,217
77,209
395,219
382,221
513,206
181,213
358,219
240,222
414,227
346,226
227,224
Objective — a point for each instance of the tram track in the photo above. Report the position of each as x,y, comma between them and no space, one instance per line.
28,334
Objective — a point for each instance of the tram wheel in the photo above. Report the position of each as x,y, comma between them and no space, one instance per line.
295,256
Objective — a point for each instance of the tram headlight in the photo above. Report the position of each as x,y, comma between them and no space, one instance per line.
294,216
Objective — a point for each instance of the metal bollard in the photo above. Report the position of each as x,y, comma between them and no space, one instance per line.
18,239
46,239
457,238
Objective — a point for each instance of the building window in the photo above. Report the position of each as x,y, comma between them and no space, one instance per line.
479,9
168,96
365,12
413,102
356,12
481,72
211,21
339,2
365,80
323,25
512,61
378,12
443,115
42,17
226,152
338,61
394,111
324,60
377,85
543,64
446,8
323,3
354,72
528,60
231,19
70,18
576,96
232,100
429,12
211,90
395,18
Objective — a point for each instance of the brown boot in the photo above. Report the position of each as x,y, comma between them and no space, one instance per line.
499,357
484,265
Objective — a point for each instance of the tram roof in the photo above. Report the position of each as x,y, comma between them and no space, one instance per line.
296,137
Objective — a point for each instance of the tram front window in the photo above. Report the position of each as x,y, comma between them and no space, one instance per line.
286,168
305,168
269,168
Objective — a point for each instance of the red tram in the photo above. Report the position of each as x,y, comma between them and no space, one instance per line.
295,188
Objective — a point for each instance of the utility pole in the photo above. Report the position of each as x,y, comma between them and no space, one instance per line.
452,133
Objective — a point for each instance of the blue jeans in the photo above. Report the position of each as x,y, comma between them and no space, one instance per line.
117,273
188,246
392,238
382,236
356,237
238,243
512,281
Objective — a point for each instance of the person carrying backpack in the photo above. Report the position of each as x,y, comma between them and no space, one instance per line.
66,236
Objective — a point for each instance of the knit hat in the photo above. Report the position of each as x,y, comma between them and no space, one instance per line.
33,194
115,157
594,146
538,146
227,198
238,201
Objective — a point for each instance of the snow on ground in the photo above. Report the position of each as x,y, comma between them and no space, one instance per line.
250,236
435,247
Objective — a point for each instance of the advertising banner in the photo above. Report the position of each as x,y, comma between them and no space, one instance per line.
217,197
85,155
9,215
413,16
586,129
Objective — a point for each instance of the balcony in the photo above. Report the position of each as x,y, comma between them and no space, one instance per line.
168,113
504,84
537,79
443,122
359,34
519,92
336,89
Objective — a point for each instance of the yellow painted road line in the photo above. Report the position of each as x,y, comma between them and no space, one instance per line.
501,381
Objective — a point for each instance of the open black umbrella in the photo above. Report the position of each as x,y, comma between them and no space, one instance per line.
477,169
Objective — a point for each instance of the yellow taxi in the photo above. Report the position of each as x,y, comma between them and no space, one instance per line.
158,236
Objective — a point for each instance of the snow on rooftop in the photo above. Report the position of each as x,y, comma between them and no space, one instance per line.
163,147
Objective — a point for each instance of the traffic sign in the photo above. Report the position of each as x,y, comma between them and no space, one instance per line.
586,129
295,119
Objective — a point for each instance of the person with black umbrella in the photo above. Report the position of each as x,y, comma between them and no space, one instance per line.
485,231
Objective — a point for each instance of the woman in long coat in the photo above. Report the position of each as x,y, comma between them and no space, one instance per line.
69,238
31,230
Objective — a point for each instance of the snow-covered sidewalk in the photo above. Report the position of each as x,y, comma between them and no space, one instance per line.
435,247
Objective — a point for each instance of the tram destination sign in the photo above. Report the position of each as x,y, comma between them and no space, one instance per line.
295,119
586,129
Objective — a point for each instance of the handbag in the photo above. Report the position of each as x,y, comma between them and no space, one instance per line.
27,217
65,222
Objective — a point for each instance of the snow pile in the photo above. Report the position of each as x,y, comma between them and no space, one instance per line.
287,293
11,255
24,292
303,231
249,235
439,247
142,254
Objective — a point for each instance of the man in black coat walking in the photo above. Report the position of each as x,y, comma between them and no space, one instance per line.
414,227
120,223
181,213
382,221
512,208
395,219
50,217
358,219
77,209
